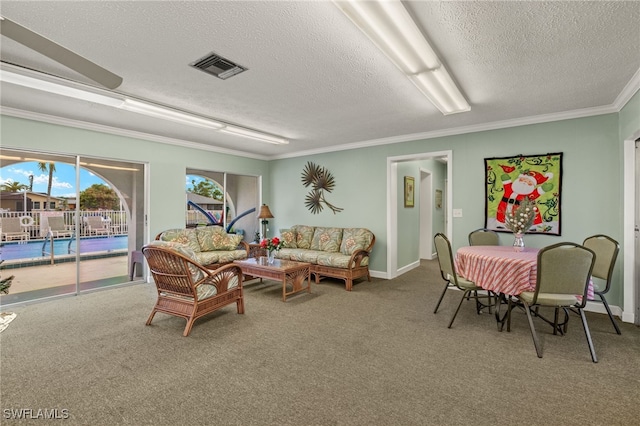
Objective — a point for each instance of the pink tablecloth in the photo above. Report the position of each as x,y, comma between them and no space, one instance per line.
501,269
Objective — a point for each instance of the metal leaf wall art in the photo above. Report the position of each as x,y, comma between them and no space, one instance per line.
320,180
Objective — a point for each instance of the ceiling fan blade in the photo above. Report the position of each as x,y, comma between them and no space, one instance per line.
58,53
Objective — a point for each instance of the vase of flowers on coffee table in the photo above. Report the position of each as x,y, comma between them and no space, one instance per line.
272,245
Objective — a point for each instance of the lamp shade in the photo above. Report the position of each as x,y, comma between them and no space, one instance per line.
265,213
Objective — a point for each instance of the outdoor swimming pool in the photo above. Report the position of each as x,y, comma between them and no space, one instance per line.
15,251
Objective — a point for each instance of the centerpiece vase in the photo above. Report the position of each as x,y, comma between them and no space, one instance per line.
518,242
271,256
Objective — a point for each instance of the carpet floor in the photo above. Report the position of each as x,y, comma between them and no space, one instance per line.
374,356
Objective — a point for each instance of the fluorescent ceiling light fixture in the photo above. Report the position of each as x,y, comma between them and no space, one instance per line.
193,120
239,131
136,106
58,89
170,114
388,24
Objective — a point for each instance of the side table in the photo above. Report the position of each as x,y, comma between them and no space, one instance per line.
136,257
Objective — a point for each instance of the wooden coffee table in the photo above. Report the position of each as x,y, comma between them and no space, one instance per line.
287,271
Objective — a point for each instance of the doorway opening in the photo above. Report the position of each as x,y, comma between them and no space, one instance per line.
404,248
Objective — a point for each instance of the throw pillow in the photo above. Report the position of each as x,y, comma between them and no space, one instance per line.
304,235
327,239
207,236
182,236
354,239
226,241
288,237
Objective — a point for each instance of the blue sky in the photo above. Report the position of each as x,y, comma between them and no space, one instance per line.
64,178
197,179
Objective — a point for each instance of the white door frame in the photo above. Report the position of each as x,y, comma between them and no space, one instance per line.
393,198
628,231
426,214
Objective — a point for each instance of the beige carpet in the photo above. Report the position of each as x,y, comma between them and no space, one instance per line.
374,356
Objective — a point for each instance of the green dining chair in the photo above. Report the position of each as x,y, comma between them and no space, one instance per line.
564,270
606,250
452,279
484,237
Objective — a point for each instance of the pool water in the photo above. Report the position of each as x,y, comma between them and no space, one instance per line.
33,249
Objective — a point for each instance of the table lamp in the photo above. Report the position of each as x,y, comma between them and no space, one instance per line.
265,214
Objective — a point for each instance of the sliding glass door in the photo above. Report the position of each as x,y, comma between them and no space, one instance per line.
79,220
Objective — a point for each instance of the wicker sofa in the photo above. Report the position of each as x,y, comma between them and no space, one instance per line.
341,253
212,245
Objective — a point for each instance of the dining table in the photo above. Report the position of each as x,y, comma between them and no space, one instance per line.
502,270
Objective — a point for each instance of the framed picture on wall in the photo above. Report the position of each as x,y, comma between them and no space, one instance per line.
438,198
409,187
508,180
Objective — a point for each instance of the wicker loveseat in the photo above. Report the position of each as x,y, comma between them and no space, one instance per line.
341,253
212,245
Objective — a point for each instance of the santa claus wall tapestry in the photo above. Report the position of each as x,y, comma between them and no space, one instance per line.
510,179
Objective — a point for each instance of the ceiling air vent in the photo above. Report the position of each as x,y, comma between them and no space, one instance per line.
217,65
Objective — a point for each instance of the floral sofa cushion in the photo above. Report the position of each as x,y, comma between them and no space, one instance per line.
185,250
210,244
220,256
183,236
211,238
355,239
299,255
304,236
326,239
288,237
208,257
337,260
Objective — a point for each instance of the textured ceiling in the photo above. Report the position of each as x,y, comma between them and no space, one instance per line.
315,79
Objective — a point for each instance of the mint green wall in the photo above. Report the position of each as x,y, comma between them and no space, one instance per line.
167,163
591,195
361,190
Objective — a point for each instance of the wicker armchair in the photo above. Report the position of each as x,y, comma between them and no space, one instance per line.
186,289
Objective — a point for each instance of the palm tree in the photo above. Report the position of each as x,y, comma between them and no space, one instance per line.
11,186
50,167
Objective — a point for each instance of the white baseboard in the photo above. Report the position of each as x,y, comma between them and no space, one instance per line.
408,268
599,308
628,317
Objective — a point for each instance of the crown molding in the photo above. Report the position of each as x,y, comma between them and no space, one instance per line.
496,125
627,93
45,118
629,90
